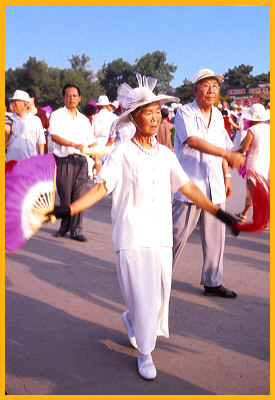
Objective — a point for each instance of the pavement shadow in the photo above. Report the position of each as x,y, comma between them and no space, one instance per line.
230,324
72,356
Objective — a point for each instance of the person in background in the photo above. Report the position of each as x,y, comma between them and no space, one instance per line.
229,123
71,131
90,111
203,149
26,137
32,107
103,120
114,107
257,140
164,132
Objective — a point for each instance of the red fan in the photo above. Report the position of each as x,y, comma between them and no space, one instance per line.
261,205
29,196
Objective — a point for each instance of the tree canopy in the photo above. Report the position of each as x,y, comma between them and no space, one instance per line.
48,81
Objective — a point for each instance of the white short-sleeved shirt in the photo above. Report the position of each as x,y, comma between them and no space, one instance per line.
26,134
77,130
258,159
204,170
142,187
102,123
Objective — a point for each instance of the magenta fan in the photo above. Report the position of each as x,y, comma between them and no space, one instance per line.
29,196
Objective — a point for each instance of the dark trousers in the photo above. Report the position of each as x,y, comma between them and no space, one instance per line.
71,183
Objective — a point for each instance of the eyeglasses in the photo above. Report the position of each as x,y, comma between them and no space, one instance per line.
206,87
73,96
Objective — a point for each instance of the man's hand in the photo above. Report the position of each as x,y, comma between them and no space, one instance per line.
235,159
79,147
228,186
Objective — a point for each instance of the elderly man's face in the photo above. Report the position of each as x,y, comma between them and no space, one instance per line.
71,98
19,107
148,119
206,92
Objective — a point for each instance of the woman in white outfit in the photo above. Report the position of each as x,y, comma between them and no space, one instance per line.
257,140
142,175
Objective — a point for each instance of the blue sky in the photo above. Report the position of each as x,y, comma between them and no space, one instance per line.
194,37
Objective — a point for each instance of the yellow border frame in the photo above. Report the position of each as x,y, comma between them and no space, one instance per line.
2,252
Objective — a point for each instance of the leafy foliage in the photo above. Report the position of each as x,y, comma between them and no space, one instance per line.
185,92
155,65
113,74
48,82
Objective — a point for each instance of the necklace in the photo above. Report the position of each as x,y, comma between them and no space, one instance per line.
152,152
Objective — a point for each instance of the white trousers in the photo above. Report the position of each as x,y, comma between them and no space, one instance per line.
145,276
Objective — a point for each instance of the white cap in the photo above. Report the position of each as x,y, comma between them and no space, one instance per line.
103,100
207,73
20,95
115,103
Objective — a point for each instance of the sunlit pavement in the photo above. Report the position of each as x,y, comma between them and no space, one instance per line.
65,335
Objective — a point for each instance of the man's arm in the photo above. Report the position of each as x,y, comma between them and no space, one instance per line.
234,158
111,141
227,178
64,142
7,134
41,148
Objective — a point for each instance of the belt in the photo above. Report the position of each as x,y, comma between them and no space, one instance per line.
74,156
70,156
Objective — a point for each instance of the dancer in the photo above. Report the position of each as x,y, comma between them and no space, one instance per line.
142,174
257,140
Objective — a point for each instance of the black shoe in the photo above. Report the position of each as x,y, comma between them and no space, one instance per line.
79,238
60,233
219,291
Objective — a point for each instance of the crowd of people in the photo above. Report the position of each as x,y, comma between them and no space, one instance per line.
186,150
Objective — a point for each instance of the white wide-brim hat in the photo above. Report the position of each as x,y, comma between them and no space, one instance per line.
20,95
207,73
256,112
130,99
103,100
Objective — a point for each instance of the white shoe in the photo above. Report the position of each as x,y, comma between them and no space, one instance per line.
146,367
129,328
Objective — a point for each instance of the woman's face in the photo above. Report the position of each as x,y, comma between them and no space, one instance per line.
148,119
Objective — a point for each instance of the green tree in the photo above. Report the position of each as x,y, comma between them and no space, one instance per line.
79,62
238,76
48,82
185,92
155,65
114,73
262,78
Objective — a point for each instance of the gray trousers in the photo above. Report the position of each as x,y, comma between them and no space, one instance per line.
185,218
71,183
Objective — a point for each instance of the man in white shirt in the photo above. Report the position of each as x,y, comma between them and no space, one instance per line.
71,131
203,149
26,137
103,120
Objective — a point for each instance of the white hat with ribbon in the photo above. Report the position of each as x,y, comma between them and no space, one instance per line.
130,99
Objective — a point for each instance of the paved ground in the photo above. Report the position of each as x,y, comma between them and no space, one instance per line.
64,333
